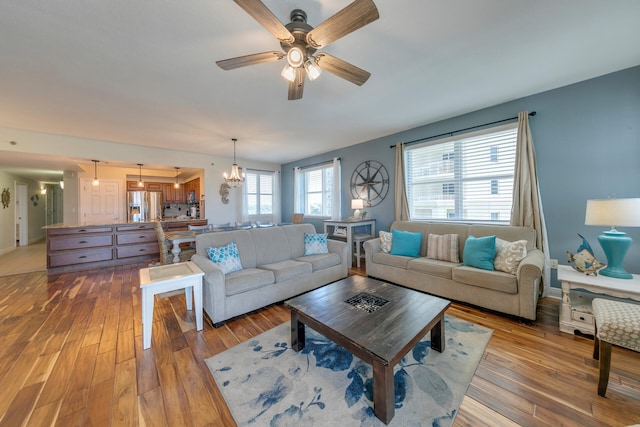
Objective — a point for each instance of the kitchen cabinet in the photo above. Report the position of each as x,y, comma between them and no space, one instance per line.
170,194
77,248
137,240
74,248
193,185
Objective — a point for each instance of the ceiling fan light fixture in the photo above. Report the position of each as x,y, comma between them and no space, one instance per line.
313,71
295,57
289,73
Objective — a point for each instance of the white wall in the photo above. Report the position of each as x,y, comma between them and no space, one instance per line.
81,148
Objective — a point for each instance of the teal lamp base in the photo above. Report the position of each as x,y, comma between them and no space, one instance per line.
615,245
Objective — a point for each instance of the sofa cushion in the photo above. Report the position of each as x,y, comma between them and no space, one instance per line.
406,243
479,252
495,280
247,280
287,269
509,255
227,257
271,245
443,247
315,244
321,261
386,240
433,267
391,260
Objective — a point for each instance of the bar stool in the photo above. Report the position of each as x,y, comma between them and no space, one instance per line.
617,323
358,240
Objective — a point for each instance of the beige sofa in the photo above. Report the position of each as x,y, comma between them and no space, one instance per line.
495,290
274,268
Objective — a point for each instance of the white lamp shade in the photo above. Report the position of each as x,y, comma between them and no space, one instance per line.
357,204
613,212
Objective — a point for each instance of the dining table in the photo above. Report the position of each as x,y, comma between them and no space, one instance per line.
176,238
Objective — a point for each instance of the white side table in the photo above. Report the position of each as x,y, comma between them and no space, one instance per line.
165,278
575,311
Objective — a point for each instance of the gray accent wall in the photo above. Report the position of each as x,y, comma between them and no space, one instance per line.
587,141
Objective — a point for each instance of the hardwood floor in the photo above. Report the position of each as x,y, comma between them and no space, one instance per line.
71,354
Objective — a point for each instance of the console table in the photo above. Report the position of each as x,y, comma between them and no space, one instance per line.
575,311
350,225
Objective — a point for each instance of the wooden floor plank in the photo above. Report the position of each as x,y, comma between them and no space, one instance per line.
72,355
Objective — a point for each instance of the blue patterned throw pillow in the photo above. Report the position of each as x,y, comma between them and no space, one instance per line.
226,257
315,244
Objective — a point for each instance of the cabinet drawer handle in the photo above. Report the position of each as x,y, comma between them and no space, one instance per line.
82,256
82,231
141,237
142,250
82,241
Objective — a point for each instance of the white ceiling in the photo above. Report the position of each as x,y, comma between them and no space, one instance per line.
144,72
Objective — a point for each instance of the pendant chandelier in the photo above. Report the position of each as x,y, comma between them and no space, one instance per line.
95,172
237,176
140,182
177,184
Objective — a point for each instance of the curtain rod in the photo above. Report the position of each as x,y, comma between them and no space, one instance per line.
315,164
531,114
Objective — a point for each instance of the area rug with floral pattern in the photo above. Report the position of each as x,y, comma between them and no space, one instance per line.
266,383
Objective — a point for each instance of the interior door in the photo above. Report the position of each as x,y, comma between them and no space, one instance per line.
101,203
22,215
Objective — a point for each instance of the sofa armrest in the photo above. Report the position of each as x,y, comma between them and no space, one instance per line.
531,266
340,248
371,246
529,277
213,288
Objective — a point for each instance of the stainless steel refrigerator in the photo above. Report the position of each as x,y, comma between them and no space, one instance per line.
144,206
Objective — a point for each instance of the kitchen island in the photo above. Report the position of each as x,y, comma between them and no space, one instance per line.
74,247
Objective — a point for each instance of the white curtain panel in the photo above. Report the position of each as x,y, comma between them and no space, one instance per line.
336,201
527,205
297,190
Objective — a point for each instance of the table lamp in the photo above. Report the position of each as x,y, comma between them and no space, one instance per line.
614,213
357,204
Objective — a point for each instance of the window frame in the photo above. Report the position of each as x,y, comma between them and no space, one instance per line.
259,216
445,174
326,194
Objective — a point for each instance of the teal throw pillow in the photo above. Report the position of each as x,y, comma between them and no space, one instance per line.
479,252
405,243
315,244
226,257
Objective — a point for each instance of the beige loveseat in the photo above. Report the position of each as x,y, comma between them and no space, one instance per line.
495,290
274,268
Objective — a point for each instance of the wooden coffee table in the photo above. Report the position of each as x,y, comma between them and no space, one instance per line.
379,333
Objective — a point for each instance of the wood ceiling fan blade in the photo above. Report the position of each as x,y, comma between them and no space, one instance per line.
266,18
355,15
342,68
243,61
296,87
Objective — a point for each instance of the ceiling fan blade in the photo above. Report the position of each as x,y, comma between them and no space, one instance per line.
342,68
296,87
266,18
243,61
355,15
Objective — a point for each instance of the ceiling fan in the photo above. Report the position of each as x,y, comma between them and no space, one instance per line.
300,41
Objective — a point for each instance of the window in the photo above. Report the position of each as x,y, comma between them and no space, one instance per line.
455,179
259,192
316,194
